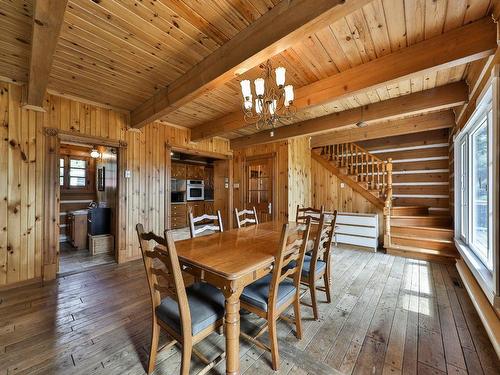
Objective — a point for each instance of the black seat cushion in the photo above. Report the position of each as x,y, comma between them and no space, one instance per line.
206,304
257,293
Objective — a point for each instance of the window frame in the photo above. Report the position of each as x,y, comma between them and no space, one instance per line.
88,174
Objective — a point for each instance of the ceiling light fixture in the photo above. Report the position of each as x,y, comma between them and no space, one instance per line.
273,99
361,123
95,153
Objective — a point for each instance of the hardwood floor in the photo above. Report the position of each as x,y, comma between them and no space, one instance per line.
73,261
388,315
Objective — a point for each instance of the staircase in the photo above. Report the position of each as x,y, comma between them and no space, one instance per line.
409,231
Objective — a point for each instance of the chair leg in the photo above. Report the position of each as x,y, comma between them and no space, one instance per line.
327,279
273,338
314,300
155,337
187,350
298,319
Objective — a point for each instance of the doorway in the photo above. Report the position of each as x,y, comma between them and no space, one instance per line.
259,186
87,208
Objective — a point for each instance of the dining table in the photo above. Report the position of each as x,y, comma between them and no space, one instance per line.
231,260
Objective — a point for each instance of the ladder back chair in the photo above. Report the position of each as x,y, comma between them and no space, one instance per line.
245,217
205,222
305,212
188,315
317,263
271,295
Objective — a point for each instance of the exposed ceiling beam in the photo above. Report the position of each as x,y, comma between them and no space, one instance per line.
48,17
435,99
476,90
456,47
409,125
280,28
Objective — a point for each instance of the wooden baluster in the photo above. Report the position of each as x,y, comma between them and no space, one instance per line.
355,160
377,183
350,158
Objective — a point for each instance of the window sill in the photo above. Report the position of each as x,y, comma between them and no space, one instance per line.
481,273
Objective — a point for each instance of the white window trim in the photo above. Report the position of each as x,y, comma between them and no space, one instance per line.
487,279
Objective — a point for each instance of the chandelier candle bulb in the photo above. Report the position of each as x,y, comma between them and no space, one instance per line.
288,95
259,86
272,107
280,76
245,89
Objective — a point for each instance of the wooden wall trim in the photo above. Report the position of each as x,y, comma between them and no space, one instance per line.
51,202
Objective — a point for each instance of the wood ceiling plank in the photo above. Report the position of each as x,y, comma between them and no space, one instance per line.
415,22
106,29
160,15
332,48
272,33
468,43
396,27
400,127
117,73
437,99
47,20
476,9
115,50
435,15
375,19
342,33
361,34
455,14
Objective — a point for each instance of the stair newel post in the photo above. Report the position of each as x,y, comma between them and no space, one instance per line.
372,179
355,160
388,205
350,159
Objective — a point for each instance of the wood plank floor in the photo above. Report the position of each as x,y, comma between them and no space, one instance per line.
72,260
389,315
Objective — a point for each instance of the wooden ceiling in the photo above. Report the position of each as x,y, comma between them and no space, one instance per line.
120,52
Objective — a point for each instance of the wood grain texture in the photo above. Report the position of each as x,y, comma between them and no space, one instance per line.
22,208
81,330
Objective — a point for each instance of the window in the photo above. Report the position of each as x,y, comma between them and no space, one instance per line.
474,213
74,173
61,172
77,173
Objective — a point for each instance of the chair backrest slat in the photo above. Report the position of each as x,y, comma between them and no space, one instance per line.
164,273
206,222
311,212
249,217
292,248
324,237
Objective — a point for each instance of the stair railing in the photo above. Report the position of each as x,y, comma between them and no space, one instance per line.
358,162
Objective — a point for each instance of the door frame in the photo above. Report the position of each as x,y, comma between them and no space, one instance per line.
53,138
270,155
169,148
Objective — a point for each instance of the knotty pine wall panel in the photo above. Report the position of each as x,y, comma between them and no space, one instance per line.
22,150
292,174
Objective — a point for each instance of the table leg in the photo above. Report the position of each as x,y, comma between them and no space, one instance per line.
232,323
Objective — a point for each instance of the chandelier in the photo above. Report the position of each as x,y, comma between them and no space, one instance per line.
273,100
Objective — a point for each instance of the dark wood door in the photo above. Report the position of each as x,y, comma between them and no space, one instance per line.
259,187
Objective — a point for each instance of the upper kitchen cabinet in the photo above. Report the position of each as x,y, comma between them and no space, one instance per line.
195,172
179,171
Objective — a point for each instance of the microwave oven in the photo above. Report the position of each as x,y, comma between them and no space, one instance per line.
195,190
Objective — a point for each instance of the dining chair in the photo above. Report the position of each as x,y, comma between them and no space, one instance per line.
205,222
249,217
188,315
305,212
317,264
271,295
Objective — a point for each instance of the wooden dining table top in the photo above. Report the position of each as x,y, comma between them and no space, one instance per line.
233,253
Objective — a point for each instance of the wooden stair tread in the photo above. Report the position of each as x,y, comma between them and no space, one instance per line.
437,240
418,217
423,251
423,228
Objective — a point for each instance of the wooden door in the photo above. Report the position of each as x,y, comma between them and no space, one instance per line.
259,187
